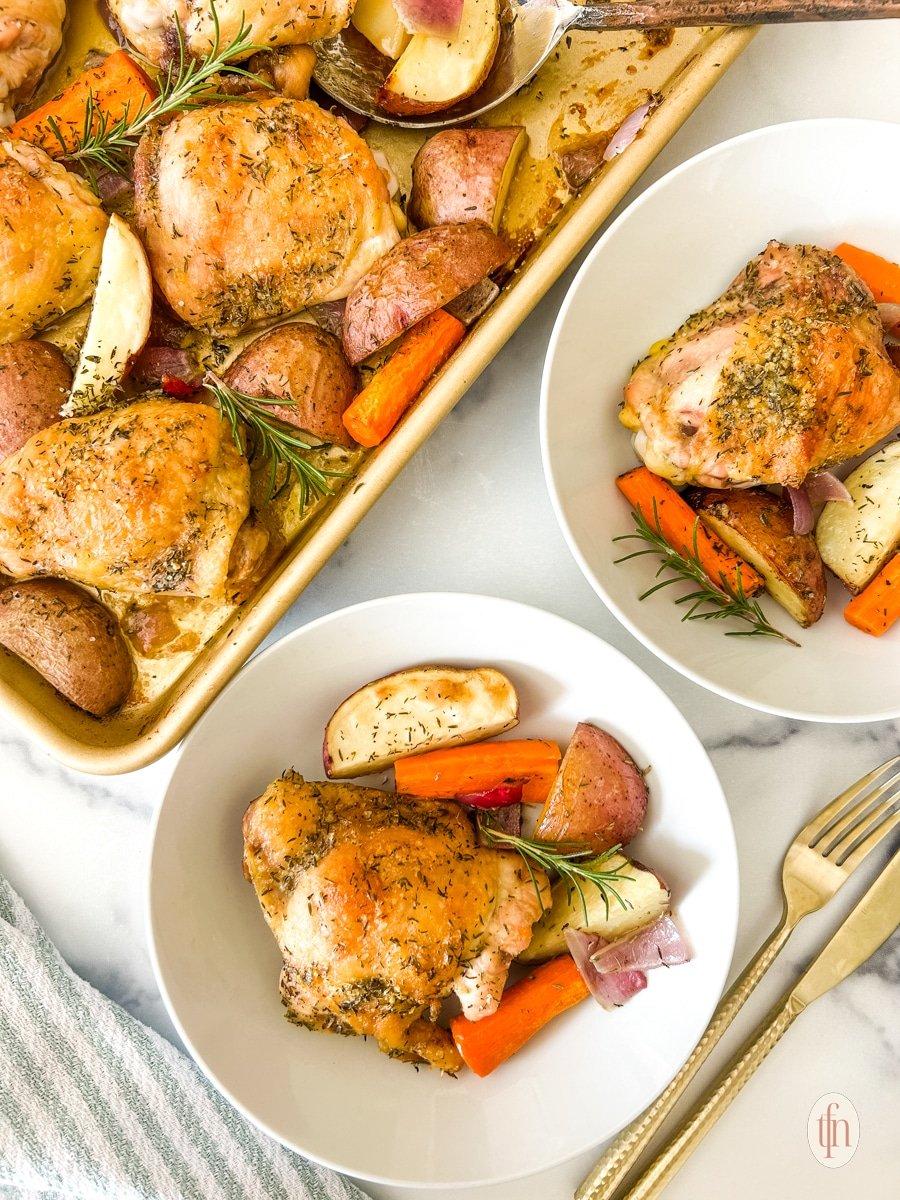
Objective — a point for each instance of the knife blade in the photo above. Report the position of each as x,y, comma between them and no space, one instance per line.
868,926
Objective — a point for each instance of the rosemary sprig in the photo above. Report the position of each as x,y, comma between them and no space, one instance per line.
280,444
710,600
575,862
108,145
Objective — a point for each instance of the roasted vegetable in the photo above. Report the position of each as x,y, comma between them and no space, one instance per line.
414,710
645,897
464,175
34,382
759,526
69,638
599,796
856,540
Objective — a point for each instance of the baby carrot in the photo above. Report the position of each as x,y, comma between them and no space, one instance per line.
881,275
524,1008
877,606
663,509
445,774
116,87
379,406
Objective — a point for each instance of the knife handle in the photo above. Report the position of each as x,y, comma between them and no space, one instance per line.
714,1102
611,1169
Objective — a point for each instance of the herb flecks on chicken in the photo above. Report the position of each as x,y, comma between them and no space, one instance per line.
252,210
382,905
784,374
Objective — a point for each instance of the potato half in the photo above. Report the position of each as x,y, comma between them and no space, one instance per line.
646,898
759,526
464,175
417,277
422,708
856,540
70,638
599,796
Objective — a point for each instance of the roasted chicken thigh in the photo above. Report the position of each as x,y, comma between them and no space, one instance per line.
51,238
150,24
253,210
382,905
30,36
144,498
785,374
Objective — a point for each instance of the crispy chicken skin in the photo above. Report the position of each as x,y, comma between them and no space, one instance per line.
30,36
784,374
382,905
150,24
253,210
145,498
51,238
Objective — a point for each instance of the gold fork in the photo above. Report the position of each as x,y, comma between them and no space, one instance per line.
822,856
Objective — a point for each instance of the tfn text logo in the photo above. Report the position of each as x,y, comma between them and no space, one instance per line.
833,1130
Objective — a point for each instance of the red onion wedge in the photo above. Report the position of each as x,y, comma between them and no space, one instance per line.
804,521
822,485
609,990
657,945
628,130
502,820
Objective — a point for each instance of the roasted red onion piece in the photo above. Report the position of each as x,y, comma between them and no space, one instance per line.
822,486
658,945
609,990
803,513
628,130
502,820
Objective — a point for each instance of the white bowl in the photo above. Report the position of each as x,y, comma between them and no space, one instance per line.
338,1100
670,253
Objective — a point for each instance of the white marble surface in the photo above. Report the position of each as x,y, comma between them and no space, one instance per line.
471,513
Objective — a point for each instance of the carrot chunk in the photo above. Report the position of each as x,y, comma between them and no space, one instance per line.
877,606
660,505
881,275
117,87
526,1007
379,406
446,774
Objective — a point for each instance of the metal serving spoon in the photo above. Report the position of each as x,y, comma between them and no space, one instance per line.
351,70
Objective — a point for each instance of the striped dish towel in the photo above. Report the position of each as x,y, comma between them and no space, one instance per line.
94,1104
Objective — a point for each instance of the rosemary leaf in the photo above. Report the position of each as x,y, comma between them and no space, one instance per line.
711,600
260,435
574,862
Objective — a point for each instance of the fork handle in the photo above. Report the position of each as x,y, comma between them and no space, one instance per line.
624,1152
714,1103
656,14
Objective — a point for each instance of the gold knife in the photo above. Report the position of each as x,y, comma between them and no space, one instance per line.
870,924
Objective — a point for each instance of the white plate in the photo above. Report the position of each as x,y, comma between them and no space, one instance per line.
339,1100
670,253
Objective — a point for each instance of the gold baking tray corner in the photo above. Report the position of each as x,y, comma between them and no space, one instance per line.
587,88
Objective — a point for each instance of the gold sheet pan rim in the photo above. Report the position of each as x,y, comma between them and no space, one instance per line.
218,663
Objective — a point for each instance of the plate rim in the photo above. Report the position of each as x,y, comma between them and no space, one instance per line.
759,134
729,848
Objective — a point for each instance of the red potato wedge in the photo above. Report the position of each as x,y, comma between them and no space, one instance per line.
646,898
417,277
433,73
464,175
34,382
302,363
599,796
422,708
759,526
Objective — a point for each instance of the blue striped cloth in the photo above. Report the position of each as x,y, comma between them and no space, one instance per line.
94,1104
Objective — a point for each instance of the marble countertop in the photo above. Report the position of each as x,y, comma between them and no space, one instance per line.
471,513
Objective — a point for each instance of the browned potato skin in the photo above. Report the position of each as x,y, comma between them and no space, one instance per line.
303,363
759,526
418,276
599,796
464,175
71,639
34,382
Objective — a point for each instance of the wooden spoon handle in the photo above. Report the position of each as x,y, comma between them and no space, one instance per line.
655,14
